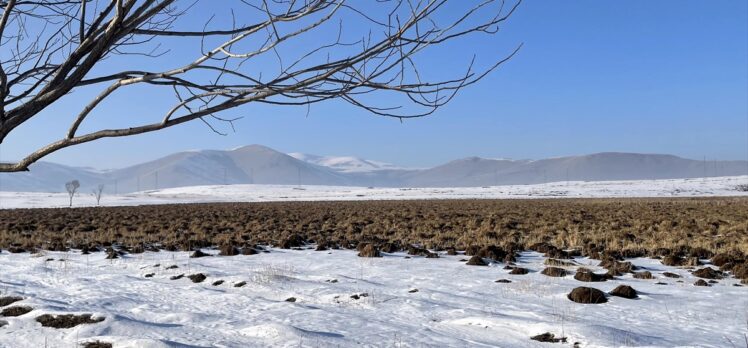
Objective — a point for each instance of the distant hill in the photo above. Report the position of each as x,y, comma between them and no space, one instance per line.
257,164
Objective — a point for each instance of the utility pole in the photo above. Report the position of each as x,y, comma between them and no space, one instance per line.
705,166
716,173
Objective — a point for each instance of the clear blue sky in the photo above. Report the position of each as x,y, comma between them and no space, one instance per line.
635,76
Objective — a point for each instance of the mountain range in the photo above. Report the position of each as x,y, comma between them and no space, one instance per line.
257,164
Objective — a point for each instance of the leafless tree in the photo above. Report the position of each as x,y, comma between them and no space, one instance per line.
72,187
97,193
266,51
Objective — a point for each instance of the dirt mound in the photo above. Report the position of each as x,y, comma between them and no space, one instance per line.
554,272
492,252
66,321
6,300
585,275
249,251
197,278
708,273
292,241
673,260
15,311
556,262
643,275
617,267
476,261
369,250
96,344
322,246
723,258
741,271
548,337
198,253
587,295
701,282
692,262
624,291
228,250
519,270
670,275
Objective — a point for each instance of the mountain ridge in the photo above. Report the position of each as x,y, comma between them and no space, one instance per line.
258,164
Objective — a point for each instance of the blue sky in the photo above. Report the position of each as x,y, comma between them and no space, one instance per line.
593,76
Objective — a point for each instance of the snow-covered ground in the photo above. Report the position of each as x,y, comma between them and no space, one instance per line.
455,305
700,187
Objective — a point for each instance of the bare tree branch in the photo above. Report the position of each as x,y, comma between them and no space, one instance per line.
49,49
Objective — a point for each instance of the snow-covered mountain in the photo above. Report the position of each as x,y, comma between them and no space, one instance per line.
257,164
345,164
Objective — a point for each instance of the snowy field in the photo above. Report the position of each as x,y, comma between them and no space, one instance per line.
400,302
699,187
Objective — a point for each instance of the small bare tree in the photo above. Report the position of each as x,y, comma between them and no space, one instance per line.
72,187
279,52
97,193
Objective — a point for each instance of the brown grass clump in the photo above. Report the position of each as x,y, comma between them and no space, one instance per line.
198,253
7,300
15,311
617,267
585,275
519,271
560,263
476,261
681,230
249,251
492,252
587,295
369,250
624,291
549,338
554,272
96,344
66,321
701,282
741,271
228,250
673,260
670,275
707,273
643,275
723,258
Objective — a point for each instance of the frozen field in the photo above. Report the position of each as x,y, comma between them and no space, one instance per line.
699,187
401,302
